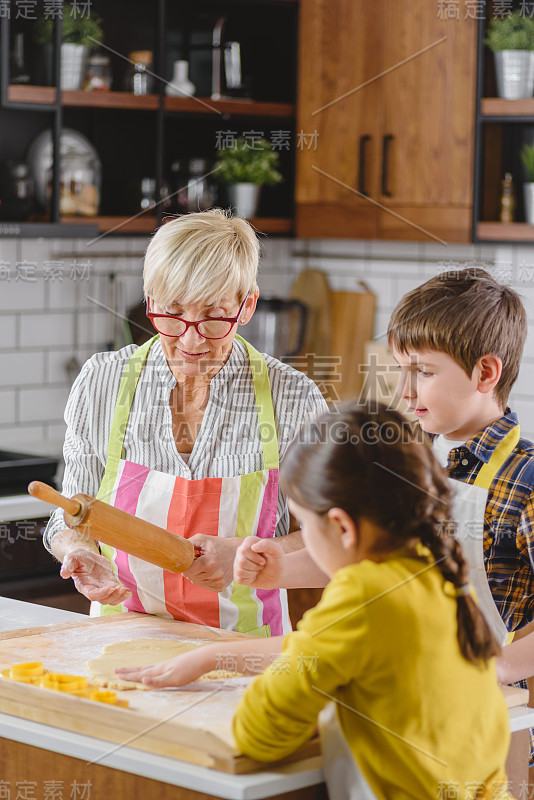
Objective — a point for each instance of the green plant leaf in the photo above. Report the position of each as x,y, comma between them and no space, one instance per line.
76,29
513,32
527,157
248,161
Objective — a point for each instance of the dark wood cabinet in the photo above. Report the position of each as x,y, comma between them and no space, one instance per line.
389,87
144,136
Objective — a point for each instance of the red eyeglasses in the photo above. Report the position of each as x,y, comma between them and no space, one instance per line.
209,328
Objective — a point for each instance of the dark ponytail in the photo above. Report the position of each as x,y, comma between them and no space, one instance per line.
374,464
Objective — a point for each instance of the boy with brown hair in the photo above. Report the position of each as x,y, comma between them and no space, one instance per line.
458,339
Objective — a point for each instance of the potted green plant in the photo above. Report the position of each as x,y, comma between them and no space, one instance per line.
512,41
527,158
245,166
80,33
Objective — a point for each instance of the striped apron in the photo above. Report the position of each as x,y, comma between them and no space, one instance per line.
244,505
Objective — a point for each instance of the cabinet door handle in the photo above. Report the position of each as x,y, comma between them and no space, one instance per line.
385,154
361,165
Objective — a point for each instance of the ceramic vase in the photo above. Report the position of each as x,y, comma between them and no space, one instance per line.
180,85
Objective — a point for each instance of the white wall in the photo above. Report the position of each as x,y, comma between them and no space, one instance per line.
41,313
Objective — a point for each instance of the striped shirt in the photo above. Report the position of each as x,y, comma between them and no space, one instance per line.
228,443
509,518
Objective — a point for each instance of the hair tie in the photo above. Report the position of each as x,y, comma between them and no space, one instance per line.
463,591
451,590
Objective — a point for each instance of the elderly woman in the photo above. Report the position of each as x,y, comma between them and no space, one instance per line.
187,431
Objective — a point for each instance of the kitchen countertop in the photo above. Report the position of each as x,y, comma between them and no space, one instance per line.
16,614
23,506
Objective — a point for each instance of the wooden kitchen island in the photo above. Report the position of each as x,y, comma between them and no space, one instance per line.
45,737
62,751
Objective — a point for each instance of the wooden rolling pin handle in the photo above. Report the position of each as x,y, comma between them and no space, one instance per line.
44,492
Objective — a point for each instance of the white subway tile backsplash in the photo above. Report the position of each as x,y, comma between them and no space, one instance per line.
105,243
76,305
275,285
527,295
433,251
336,247
20,368
9,249
8,403
381,325
524,385
21,294
45,330
523,408
528,352
62,294
45,404
403,250
8,329
28,439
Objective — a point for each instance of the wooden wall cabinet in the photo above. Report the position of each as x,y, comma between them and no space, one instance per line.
390,89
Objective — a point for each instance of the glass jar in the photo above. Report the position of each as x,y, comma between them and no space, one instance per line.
16,191
79,185
97,75
147,198
138,77
200,188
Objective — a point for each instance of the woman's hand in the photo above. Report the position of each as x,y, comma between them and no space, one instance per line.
93,576
259,563
214,568
175,671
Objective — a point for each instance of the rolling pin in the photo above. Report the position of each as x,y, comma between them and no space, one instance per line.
121,530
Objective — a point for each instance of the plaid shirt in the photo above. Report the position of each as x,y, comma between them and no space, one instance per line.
509,518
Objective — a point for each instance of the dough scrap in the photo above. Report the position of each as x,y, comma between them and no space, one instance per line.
141,653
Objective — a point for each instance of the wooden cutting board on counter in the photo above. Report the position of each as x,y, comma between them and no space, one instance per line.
192,724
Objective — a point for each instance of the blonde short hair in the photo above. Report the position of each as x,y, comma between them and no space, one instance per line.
200,258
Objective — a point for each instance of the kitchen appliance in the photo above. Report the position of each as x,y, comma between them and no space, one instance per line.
27,570
277,327
216,60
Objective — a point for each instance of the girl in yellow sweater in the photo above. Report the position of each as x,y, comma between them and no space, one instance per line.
396,661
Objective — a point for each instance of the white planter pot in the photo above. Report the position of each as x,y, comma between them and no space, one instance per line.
180,85
244,198
73,63
514,70
528,196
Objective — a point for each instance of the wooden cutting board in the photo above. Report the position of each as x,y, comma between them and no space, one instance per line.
353,316
193,724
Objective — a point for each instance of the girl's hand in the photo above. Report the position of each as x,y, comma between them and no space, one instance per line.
259,563
503,669
93,576
176,671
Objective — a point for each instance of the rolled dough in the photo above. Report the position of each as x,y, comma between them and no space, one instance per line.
140,653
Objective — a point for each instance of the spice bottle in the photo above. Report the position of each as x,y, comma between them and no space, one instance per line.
97,74
507,199
138,78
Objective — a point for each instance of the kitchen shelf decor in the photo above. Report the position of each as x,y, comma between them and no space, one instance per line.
140,137
511,38
503,129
